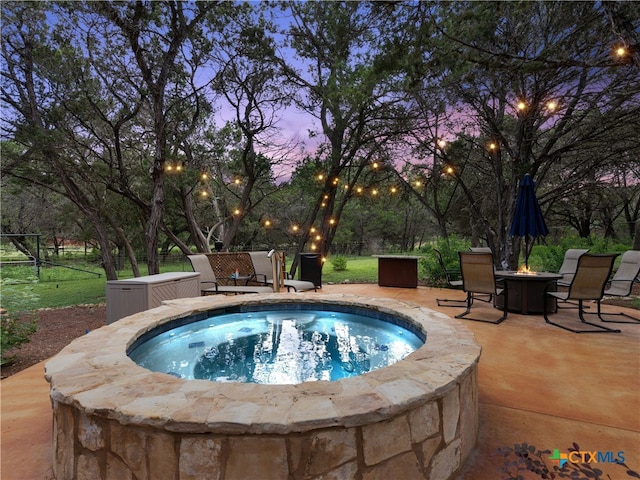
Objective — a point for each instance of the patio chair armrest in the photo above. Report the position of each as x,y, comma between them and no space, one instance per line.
208,284
260,278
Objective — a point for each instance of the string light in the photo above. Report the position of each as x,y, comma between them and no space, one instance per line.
204,194
295,228
442,143
236,211
267,223
332,222
551,106
173,167
394,189
204,176
375,165
621,51
521,105
320,176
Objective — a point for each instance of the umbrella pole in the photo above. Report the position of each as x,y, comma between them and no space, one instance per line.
526,252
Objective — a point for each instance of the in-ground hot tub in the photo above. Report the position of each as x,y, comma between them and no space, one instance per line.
414,419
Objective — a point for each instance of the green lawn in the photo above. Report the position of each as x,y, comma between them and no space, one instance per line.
61,287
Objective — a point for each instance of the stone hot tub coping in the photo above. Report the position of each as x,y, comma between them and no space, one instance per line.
95,378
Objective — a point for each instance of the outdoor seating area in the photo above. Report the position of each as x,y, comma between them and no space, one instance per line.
582,277
209,283
528,391
242,272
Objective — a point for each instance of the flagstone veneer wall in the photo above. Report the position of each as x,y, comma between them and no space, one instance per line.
415,419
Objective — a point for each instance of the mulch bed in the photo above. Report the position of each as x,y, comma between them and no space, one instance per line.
57,327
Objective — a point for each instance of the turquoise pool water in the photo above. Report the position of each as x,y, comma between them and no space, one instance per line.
277,346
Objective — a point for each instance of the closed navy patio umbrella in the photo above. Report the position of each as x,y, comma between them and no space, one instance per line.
528,222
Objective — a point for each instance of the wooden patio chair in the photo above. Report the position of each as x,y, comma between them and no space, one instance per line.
621,284
478,278
588,283
209,284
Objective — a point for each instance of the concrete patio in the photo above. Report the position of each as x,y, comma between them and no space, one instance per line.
539,385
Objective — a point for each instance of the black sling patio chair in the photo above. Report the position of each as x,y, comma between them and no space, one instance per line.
621,284
588,283
452,277
570,265
478,278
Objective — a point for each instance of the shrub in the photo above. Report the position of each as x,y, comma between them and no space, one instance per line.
430,269
339,263
15,331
